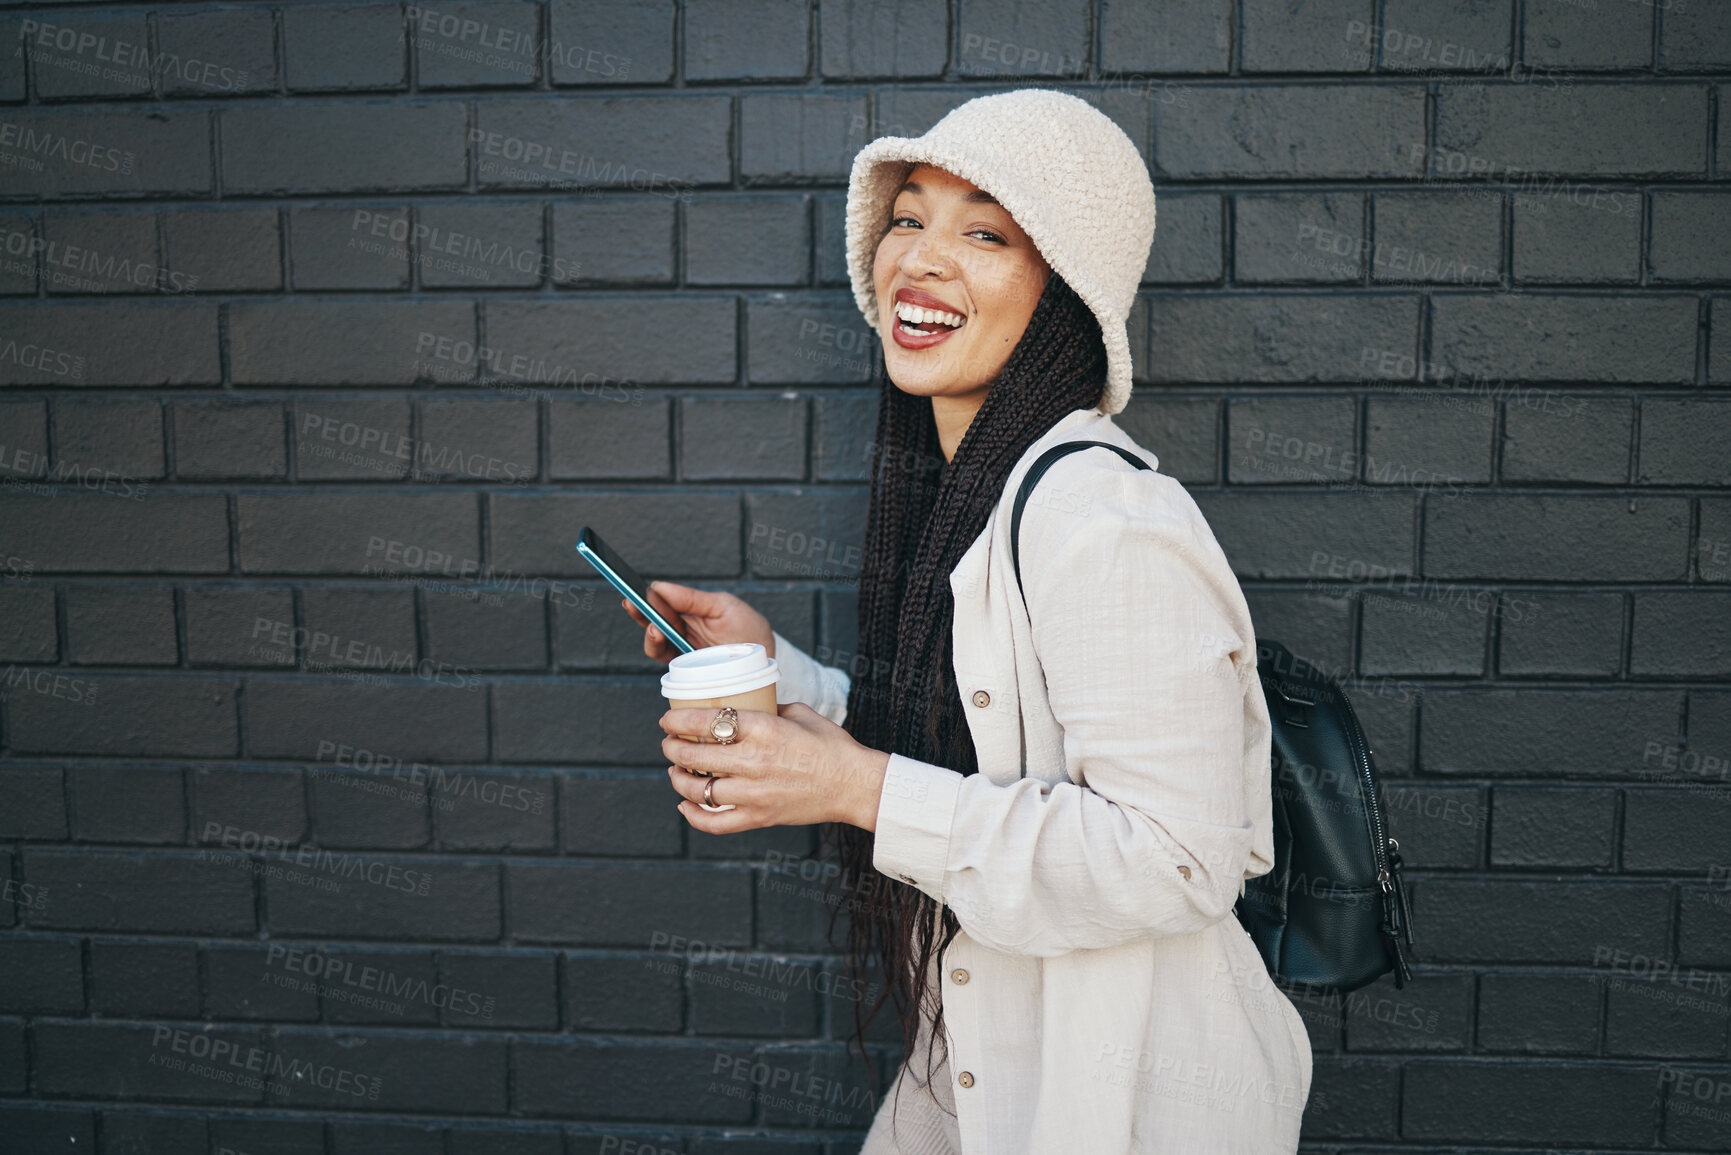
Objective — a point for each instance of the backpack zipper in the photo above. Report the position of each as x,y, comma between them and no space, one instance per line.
1393,893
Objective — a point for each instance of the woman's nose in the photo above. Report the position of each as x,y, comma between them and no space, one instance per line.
928,253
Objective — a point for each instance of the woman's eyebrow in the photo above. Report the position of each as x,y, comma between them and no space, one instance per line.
978,196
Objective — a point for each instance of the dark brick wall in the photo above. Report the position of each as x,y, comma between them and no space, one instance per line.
306,324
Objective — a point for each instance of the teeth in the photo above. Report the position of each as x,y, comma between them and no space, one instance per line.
917,316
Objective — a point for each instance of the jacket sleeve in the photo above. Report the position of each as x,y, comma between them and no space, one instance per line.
801,678
1149,660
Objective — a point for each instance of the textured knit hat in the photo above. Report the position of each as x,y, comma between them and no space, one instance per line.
1068,176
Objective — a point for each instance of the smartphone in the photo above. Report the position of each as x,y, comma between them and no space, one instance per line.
624,579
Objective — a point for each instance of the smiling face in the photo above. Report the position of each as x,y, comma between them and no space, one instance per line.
956,282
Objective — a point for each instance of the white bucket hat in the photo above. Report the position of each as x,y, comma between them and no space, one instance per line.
1068,176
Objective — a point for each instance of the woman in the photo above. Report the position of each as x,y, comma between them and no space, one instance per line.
1069,775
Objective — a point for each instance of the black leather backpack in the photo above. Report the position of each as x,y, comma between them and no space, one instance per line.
1332,915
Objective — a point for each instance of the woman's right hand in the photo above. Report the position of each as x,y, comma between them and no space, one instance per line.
705,618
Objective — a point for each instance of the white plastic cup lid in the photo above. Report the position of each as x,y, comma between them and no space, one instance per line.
717,671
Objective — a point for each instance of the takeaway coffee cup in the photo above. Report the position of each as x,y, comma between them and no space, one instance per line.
739,674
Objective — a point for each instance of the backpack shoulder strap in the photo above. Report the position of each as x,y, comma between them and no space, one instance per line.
1032,478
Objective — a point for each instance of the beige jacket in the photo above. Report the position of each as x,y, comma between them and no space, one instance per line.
1101,997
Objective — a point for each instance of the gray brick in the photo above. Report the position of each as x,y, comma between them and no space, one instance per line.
225,249
515,990
28,632
1609,339
1312,624
1691,236
660,535
1316,37
816,339
1610,1105
611,41
1416,36
1183,433
12,89
901,38
1709,736
1681,633
128,805
656,144
846,437
1532,733
509,636
24,438
1302,132
351,628
602,905
1547,632
1674,1029
602,240
1703,928
479,441
95,533
100,252
1003,38
1719,355
47,977
1187,246
1610,130
1182,36
831,246
144,978
620,815
225,625
1567,37
1587,441
1539,1014
554,722
650,992
594,633
343,47
237,987
364,438
1685,442
288,719
269,801
111,56
1547,826
142,716
1304,237
620,339
911,111
1231,339
268,1136
20,273
1436,826
228,439
218,52
1557,240
39,809
592,438
1410,442
145,343
817,533
739,438
728,40
1674,831
799,136
123,437
132,152
494,42
343,342
461,905
1713,549
483,243
1277,535
756,241
342,146
1586,917
1562,538
127,626
1282,440
1441,239
1437,631
1696,38
349,247
345,533
155,892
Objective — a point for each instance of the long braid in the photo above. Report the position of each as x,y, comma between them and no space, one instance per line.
924,515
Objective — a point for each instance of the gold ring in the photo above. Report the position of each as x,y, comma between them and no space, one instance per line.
725,727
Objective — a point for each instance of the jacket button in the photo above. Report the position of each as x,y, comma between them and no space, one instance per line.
982,699
966,1079
907,878
1185,871
959,976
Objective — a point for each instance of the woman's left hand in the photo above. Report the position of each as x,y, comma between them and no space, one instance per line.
793,768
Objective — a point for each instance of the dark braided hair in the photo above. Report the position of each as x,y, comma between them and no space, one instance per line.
924,515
